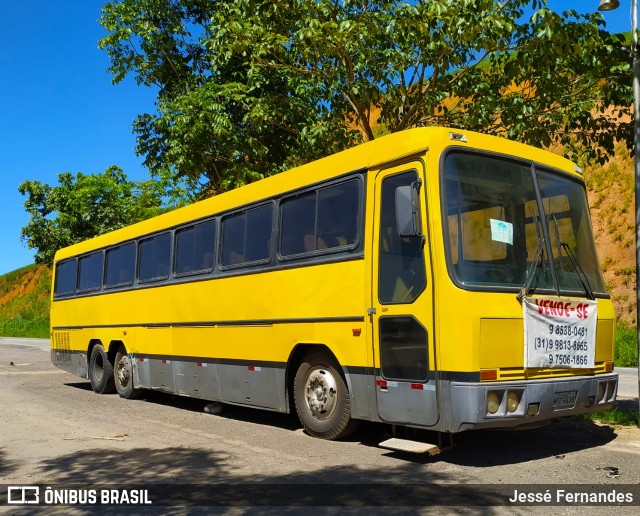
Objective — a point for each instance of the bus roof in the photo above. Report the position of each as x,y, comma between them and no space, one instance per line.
368,155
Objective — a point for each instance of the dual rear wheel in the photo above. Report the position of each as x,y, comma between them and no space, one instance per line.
107,378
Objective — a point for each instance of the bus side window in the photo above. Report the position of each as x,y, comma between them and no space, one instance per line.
233,232
298,225
322,219
258,234
66,277
195,248
120,264
154,257
90,272
246,236
337,221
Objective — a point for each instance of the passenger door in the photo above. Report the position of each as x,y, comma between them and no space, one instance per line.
402,301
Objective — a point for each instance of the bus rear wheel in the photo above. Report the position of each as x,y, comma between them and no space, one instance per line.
322,399
124,375
100,371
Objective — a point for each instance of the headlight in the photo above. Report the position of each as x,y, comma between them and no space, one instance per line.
493,402
513,400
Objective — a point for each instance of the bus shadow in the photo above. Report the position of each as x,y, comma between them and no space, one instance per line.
487,448
479,448
260,417
203,477
233,412
82,386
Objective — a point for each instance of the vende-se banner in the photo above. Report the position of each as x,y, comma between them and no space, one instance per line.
559,332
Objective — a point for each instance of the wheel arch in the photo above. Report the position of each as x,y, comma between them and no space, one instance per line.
91,345
114,345
296,357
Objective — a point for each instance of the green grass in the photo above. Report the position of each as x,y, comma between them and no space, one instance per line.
21,327
626,347
615,416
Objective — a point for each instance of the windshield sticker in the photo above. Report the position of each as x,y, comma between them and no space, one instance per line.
501,231
559,332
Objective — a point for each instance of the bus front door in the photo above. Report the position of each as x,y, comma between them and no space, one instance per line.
401,307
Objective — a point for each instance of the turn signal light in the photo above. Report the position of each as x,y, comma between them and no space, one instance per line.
487,375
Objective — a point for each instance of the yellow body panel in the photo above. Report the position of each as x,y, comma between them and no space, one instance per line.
468,331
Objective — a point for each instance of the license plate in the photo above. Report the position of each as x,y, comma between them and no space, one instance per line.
565,399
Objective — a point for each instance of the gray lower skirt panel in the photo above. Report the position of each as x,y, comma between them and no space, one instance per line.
256,384
253,385
73,362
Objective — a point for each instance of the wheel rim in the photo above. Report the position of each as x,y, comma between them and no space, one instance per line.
321,393
123,371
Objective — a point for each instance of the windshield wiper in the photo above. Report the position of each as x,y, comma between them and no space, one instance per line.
558,267
581,275
531,272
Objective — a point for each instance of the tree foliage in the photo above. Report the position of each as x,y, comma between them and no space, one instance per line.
247,88
84,206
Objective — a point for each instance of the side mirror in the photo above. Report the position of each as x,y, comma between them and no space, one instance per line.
408,210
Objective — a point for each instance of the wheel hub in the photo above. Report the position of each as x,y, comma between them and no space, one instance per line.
321,391
123,371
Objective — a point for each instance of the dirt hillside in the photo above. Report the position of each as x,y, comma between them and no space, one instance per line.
611,200
24,302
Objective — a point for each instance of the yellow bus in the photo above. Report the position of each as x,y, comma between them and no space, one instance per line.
435,278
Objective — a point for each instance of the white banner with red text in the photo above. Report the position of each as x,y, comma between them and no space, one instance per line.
559,332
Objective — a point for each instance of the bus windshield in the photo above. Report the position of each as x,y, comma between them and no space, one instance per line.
496,236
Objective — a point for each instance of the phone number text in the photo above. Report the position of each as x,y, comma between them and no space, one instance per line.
548,344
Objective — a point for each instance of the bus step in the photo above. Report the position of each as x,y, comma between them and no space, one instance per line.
405,445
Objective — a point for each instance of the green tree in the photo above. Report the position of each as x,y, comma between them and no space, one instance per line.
247,88
84,206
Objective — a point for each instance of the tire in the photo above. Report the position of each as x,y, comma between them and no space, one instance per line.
123,375
322,399
101,371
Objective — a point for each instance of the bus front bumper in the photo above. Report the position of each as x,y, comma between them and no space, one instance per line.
513,403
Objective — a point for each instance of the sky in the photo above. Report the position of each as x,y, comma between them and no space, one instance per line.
60,112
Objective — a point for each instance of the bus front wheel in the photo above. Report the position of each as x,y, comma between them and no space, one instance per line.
100,371
322,399
124,375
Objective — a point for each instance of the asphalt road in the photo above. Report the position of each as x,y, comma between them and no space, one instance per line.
55,431
628,384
